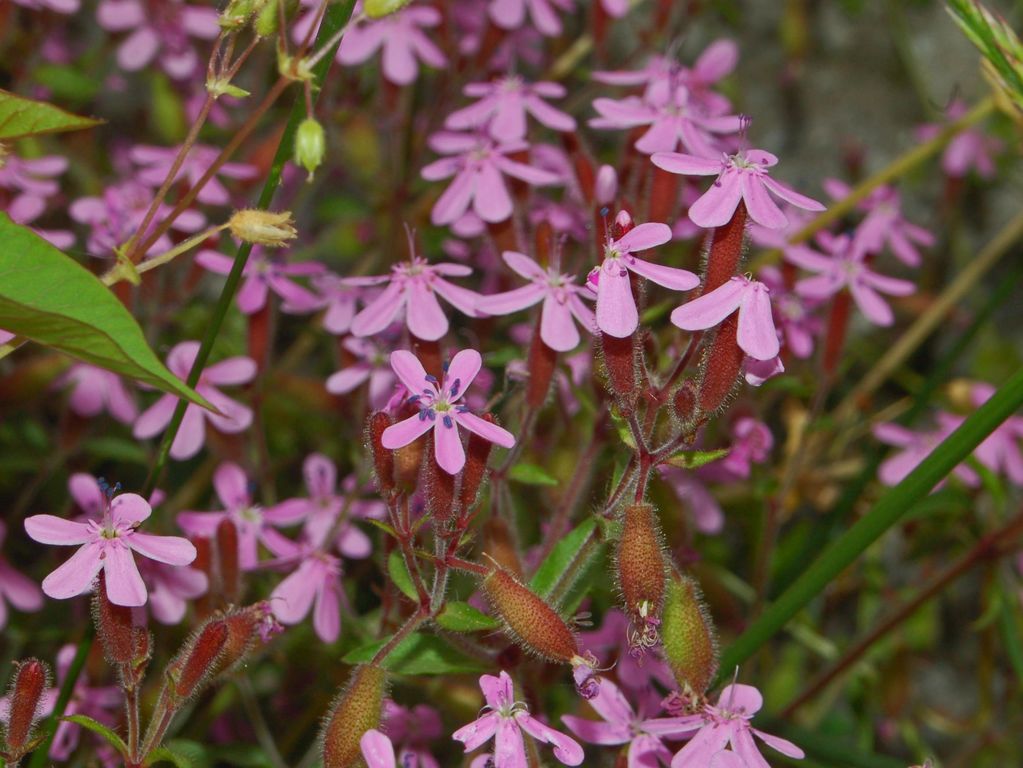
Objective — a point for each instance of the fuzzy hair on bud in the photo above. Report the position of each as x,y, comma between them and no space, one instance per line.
383,458
683,402
477,454
357,709
725,254
267,228
31,678
688,636
640,563
440,492
126,645
531,623
190,671
722,367
619,356
247,627
227,559
267,19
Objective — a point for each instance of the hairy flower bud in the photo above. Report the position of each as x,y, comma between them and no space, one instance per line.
310,145
683,402
532,623
542,361
383,458
477,453
640,565
114,626
440,492
620,361
688,636
227,560
356,710
722,365
31,679
726,250
267,228
190,671
247,627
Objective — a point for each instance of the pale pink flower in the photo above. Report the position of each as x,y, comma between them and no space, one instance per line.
32,176
155,163
792,313
412,728
511,14
107,545
16,589
371,365
340,299
478,165
740,177
170,589
252,521
561,298
503,105
917,446
752,442
158,29
94,390
264,273
1000,451
440,409
696,498
637,672
378,751
504,720
25,209
844,268
756,334
728,724
616,307
314,585
970,149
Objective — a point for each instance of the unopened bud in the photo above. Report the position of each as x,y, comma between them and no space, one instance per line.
383,458
357,709
687,635
640,566
267,18
620,361
721,367
126,645
623,224
440,492
378,8
606,188
533,624
683,403
227,560
267,228
477,454
246,627
726,250
190,670
31,679
310,145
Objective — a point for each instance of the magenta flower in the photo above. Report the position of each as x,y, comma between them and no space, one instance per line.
561,302
16,589
155,163
107,545
440,410
970,149
315,584
503,105
884,224
847,269
94,390
616,307
728,723
252,521
917,446
478,165
232,419
622,725
413,287
511,14
159,29
377,750
264,273
742,176
505,721
411,728
756,333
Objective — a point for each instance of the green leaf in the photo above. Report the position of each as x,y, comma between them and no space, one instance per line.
695,459
462,617
165,755
418,654
400,575
561,557
51,299
23,117
101,730
531,474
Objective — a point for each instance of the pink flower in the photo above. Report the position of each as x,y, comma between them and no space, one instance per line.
616,307
622,725
232,419
315,584
16,589
742,176
372,365
560,296
155,163
478,165
1000,452
107,545
162,28
792,313
94,390
440,410
264,273
506,720
377,750
252,521
503,105
847,269
511,14
917,446
970,149
32,176
413,287
58,6
170,589
728,724
412,728
751,444
340,299
703,508
756,333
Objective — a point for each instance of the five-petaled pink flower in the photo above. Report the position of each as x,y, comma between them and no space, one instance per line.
728,723
560,296
740,177
107,545
756,334
315,584
503,105
370,365
264,273
233,417
155,164
511,14
94,390
616,307
440,409
479,165
505,721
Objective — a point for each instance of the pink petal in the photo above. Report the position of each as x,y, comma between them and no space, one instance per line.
404,432
717,205
87,494
377,750
381,312
327,613
253,294
293,597
139,49
76,575
478,732
711,308
423,313
155,419
191,435
447,444
717,61
779,744
172,550
871,304
399,65
348,379
557,329
491,200
762,209
320,475
462,299
511,301
360,42
50,529
739,697
524,266
527,173
756,334
792,197
669,277
410,372
129,509
687,165
616,308
553,118
597,731
486,430
124,583
566,749
509,747
643,237
464,367
610,703
231,485
23,593
456,198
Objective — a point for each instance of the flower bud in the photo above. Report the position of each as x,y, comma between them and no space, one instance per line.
640,564
532,623
383,458
267,19
31,679
726,251
722,365
664,192
310,145
227,560
477,453
375,9
683,402
190,671
440,492
247,627
619,357
357,709
126,645
606,188
687,634
267,228
623,224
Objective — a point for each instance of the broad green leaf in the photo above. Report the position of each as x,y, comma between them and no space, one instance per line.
400,575
165,755
24,117
531,474
462,617
51,299
695,459
561,557
418,654
101,730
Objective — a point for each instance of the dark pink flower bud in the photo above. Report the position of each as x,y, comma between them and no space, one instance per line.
227,560
192,668
606,186
31,679
383,458
721,367
619,357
